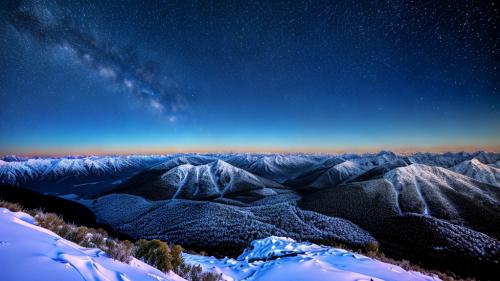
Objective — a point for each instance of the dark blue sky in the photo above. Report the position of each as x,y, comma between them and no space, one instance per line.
265,75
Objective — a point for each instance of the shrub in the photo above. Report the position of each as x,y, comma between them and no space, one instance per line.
155,253
64,230
119,250
96,240
77,235
50,221
177,258
159,255
371,247
11,206
196,273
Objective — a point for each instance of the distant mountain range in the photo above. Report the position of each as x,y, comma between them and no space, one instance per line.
299,170
69,174
449,204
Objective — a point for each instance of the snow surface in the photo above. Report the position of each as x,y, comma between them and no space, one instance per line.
279,258
29,252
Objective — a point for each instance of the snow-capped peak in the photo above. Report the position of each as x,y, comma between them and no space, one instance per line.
477,170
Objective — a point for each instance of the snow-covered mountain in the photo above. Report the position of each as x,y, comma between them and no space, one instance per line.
280,258
62,175
187,176
200,177
487,157
352,168
422,188
379,171
281,167
427,190
337,174
449,159
242,160
19,172
29,252
293,169
10,158
444,194
477,170
216,179
204,181
185,159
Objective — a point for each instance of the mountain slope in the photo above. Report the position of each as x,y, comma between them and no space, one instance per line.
365,203
444,194
417,188
442,245
220,228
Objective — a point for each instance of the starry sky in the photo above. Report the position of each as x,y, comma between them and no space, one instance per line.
160,76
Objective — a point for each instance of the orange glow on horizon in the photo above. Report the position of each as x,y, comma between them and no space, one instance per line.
116,150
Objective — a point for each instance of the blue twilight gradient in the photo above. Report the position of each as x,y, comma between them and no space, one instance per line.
284,74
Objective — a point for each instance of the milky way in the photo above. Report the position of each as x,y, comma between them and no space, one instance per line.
136,77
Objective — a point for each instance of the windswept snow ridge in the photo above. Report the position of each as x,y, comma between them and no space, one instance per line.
280,258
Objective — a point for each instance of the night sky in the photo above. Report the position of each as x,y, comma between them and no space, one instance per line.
154,76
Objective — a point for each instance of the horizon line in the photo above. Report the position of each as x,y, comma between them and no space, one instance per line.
244,149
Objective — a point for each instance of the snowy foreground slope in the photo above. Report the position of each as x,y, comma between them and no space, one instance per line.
29,252
279,258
